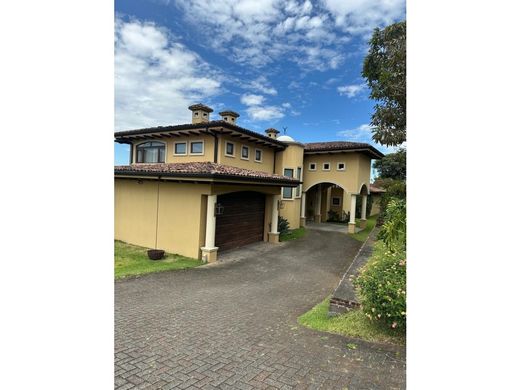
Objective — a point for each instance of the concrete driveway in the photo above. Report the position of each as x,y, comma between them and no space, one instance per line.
233,325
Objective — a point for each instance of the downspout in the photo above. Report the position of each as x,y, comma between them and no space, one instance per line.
215,149
157,213
131,153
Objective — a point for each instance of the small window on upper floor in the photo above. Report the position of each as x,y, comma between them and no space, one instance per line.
312,166
341,166
245,152
287,192
230,149
258,155
197,147
326,166
180,148
151,152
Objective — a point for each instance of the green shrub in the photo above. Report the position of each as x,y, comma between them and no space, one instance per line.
382,287
333,216
395,189
283,225
393,231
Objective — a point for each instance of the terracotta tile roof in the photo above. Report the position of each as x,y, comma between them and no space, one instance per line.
122,136
203,170
342,145
376,190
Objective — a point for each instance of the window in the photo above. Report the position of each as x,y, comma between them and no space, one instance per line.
341,166
312,166
326,166
299,177
336,201
245,152
230,149
151,152
196,147
180,148
258,155
287,191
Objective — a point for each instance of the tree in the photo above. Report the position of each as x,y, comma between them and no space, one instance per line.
384,69
392,166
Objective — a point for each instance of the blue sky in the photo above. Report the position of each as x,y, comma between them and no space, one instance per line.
293,64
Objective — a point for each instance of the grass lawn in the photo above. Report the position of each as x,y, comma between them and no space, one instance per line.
293,234
353,324
363,234
131,260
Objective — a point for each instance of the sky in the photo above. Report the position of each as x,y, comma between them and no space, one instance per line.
292,64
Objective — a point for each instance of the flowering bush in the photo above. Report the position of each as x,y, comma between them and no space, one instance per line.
382,287
393,231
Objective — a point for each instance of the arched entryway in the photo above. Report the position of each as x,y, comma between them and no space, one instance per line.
324,202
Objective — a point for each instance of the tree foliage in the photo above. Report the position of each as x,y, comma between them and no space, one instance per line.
392,166
384,69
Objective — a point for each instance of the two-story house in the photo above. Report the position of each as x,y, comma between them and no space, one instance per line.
211,185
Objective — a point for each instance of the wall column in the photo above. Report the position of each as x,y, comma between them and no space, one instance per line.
317,212
363,223
209,250
352,221
273,236
302,206
327,203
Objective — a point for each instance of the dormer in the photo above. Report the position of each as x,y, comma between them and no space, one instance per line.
229,116
200,113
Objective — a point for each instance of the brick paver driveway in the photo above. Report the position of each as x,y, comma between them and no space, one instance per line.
233,326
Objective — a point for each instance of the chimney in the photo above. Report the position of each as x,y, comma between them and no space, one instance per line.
200,113
272,133
229,116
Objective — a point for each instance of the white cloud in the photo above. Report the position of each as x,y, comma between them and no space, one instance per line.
362,133
257,32
351,90
156,77
362,16
252,100
265,113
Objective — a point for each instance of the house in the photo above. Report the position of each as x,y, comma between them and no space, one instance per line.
376,193
211,185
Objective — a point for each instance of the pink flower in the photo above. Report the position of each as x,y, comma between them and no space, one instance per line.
394,325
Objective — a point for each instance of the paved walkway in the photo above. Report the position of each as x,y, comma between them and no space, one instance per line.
330,227
233,326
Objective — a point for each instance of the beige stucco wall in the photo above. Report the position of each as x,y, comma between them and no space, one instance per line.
267,155
356,173
179,220
376,205
291,158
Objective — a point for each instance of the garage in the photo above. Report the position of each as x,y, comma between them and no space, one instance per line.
240,219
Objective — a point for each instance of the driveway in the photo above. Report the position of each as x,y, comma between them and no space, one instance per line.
234,325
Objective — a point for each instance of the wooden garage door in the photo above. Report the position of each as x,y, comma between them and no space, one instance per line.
241,220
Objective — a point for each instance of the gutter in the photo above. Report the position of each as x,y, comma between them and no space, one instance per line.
286,183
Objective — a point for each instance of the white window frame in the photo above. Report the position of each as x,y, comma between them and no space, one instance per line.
341,169
298,190
261,155
225,149
291,188
323,166
332,201
242,149
180,154
315,166
197,154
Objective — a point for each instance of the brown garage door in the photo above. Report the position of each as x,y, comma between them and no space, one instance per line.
241,219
